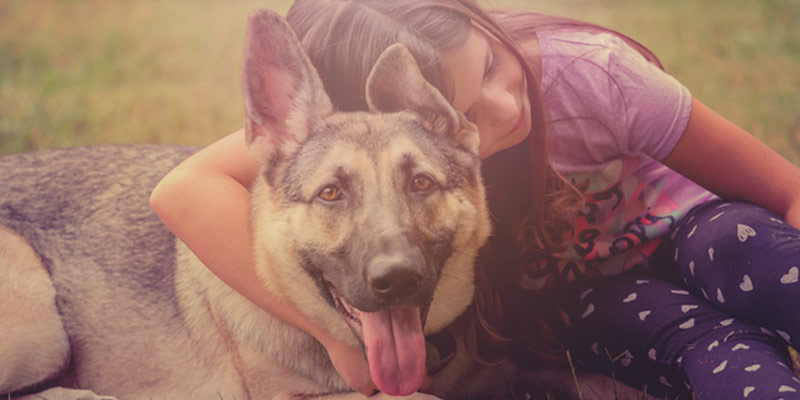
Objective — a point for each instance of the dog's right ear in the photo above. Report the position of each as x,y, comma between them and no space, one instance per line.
396,84
283,94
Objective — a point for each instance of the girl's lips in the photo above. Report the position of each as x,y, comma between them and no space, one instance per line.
519,120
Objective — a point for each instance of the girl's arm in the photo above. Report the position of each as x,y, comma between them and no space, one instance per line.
727,160
205,202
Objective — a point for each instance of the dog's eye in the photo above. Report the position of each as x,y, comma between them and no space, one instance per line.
421,183
329,193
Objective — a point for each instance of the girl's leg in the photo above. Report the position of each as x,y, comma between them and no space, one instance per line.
675,343
745,260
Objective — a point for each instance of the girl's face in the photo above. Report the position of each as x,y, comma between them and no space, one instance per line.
491,90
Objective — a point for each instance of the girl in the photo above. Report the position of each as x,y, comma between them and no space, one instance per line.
603,174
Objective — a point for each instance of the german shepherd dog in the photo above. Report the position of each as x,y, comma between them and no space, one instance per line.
367,222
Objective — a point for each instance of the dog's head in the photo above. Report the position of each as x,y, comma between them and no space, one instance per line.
367,222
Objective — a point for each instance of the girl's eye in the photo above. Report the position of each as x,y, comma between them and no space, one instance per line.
421,183
329,193
494,62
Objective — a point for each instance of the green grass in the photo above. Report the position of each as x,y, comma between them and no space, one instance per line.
95,71
81,72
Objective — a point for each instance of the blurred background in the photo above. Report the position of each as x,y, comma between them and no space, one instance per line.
111,71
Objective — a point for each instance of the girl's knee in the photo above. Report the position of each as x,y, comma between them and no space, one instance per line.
732,232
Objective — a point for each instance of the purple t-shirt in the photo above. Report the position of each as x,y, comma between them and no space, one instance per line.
613,116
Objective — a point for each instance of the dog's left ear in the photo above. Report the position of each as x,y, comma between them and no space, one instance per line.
396,84
283,93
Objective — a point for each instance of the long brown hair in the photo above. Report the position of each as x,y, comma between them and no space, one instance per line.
532,206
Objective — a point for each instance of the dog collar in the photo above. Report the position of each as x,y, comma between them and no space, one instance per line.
441,350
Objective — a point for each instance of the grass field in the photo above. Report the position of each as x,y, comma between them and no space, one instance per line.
103,71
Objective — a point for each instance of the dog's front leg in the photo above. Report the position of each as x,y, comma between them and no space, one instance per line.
377,396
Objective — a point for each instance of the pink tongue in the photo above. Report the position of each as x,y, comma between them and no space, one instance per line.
395,349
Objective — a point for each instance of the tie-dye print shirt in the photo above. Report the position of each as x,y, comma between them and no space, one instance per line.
612,116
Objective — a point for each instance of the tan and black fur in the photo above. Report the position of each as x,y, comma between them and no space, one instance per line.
98,295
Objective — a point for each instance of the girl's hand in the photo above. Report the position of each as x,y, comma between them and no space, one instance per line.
351,364
793,215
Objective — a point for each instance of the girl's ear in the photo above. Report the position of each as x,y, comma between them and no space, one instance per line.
283,94
396,84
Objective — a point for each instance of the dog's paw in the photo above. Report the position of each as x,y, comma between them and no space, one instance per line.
65,394
415,396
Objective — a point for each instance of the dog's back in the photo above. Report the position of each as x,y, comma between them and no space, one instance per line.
111,265
53,193
89,207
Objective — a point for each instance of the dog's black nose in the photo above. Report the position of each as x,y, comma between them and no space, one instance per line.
394,279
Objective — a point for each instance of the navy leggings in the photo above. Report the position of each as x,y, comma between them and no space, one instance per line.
711,315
